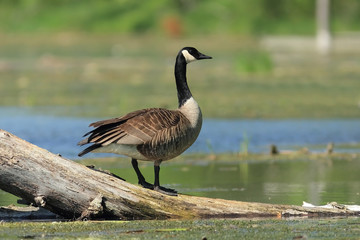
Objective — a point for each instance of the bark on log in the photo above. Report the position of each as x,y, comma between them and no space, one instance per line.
74,191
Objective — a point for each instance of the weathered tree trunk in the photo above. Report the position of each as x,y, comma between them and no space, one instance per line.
72,190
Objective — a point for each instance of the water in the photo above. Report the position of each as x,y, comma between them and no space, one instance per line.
282,182
277,182
60,134
285,182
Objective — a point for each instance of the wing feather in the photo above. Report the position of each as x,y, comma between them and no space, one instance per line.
139,127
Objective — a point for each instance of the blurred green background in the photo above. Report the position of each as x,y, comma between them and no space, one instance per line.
106,58
192,16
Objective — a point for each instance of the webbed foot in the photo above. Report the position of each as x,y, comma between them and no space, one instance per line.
167,191
147,185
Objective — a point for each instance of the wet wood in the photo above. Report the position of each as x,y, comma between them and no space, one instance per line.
74,191
15,213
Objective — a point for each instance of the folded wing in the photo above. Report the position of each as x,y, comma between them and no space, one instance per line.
145,126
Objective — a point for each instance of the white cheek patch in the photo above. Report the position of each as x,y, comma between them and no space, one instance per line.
188,57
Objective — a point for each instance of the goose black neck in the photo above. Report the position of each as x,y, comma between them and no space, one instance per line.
183,90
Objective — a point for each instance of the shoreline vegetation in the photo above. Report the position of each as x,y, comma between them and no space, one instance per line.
328,228
302,154
96,75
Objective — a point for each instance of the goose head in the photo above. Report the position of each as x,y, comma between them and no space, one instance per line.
192,54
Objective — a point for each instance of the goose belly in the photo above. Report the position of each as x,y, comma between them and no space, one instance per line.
167,150
148,152
121,149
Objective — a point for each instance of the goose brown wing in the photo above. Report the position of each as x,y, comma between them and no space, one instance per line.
139,127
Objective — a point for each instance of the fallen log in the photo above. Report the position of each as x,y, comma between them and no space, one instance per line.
74,191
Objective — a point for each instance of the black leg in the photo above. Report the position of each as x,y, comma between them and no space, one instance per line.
157,187
156,172
141,178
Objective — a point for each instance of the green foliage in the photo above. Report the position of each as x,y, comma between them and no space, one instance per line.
195,17
92,15
210,146
244,145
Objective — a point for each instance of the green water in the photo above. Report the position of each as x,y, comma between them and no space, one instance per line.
291,181
282,182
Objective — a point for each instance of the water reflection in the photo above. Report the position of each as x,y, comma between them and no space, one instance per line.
283,182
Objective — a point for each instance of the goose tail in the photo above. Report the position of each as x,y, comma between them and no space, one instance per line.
88,149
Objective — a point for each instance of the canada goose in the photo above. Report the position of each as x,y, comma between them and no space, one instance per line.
153,134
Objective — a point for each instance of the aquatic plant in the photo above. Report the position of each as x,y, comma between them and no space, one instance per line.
244,145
